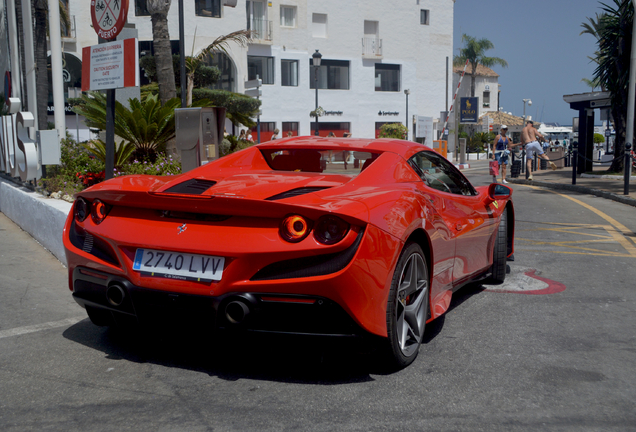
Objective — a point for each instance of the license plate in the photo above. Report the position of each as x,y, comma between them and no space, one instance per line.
177,265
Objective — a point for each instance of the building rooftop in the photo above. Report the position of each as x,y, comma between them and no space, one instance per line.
481,71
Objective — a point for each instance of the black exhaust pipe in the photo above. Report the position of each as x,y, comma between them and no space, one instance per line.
115,294
236,312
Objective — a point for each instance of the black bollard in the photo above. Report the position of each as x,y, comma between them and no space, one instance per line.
628,167
575,156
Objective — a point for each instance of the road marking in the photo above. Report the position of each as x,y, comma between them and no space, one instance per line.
39,327
619,233
611,236
525,280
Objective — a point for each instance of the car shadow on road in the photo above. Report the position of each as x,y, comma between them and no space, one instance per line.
293,359
236,355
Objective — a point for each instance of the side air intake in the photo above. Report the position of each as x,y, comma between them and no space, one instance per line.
295,192
191,187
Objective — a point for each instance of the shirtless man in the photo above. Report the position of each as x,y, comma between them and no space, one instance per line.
529,138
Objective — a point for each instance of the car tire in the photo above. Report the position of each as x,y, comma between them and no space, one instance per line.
407,307
100,317
498,269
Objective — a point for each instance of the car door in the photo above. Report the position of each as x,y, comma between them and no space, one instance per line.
466,217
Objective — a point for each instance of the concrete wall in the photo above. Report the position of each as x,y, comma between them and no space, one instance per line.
41,217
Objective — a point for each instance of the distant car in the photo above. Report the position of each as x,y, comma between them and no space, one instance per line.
303,235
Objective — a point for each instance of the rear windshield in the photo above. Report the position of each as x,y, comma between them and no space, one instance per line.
344,162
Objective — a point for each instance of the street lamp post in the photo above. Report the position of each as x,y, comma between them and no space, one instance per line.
407,92
524,109
316,63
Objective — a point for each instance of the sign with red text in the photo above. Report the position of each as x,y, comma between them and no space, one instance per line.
109,17
110,65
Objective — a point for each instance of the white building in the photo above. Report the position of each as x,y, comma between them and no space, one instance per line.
372,51
486,87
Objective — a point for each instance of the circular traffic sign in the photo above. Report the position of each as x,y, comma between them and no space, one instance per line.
109,17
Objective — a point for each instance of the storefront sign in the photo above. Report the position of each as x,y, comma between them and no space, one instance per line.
338,113
18,152
388,113
469,110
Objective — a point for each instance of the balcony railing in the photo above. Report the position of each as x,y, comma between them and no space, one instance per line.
371,47
261,29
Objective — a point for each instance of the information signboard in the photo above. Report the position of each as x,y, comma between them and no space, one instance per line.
110,65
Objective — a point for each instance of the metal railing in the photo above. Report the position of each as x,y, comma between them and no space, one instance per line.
261,28
371,46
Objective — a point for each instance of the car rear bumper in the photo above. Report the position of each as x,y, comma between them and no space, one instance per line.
276,313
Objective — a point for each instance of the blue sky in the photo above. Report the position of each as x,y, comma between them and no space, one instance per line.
540,41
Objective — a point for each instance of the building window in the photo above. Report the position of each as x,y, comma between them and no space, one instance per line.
486,99
290,127
288,16
424,16
257,20
226,66
319,25
289,72
338,128
267,131
208,8
140,8
387,77
261,66
333,75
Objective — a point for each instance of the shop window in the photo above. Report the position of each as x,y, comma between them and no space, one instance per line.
261,66
338,128
332,75
387,77
290,128
267,130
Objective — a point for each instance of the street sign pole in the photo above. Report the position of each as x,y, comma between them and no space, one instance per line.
253,89
108,21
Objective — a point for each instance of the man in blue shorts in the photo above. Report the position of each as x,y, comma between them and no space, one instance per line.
529,137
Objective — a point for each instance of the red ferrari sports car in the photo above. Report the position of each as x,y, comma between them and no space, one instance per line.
305,235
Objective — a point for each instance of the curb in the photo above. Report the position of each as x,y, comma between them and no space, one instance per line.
43,218
580,189
462,166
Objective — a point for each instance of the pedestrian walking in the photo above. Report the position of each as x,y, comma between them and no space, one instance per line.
502,145
530,138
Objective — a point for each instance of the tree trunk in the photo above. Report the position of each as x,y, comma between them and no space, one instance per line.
40,8
162,51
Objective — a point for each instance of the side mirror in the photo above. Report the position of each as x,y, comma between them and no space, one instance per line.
498,191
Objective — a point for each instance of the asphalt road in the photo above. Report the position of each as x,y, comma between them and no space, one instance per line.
551,349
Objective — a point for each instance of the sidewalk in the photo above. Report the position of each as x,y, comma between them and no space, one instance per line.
593,184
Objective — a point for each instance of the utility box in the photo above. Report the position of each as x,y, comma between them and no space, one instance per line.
199,132
556,155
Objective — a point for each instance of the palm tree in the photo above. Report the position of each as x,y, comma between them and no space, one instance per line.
220,44
475,53
613,31
163,53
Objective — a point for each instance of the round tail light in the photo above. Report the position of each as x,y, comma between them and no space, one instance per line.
99,211
81,209
330,230
294,228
